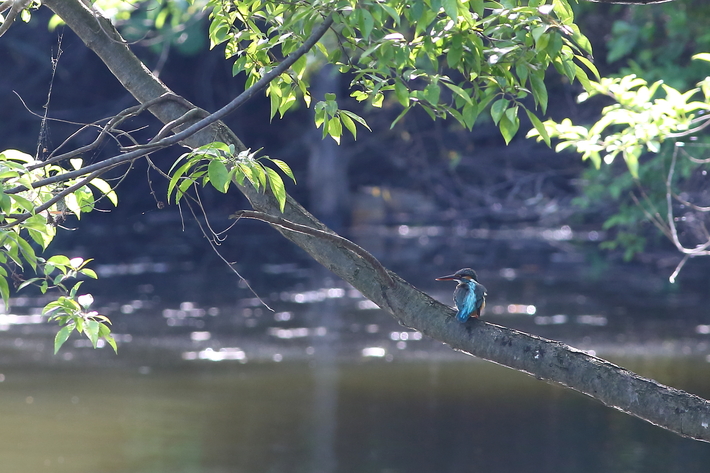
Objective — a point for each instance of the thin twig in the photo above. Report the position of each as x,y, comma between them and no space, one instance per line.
690,204
205,122
214,248
16,6
706,122
655,219
698,250
678,268
46,205
337,239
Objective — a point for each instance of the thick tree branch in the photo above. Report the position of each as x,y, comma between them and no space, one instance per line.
675,410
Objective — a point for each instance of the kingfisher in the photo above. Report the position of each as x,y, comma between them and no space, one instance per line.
469,296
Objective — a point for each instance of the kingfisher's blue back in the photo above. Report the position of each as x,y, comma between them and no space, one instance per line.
469,297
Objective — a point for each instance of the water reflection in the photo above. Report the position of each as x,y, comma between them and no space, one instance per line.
326,416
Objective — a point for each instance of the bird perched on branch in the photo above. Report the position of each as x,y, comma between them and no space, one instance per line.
469,296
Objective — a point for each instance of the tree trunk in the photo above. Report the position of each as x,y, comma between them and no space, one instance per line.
675,410
327,167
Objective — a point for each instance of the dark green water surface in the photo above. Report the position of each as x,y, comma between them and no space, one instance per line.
322,416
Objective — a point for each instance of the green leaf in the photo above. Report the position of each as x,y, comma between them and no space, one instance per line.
349,124
470,114
431,93
460,92
72,204
110,340
590,65
26,204
451,8
357,118
105,189
367,23
377,100
218,174
27,283
277,187
62,336
259,173
274,100
400,116
477,7
498,109
539,127
59,260
509,124
539,91
27,252
400,90
284,168
582,78
91,328
563,11
250,174
185,185
176,177
335,129
89,272
5,292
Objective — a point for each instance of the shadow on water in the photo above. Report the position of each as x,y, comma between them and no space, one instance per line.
207,380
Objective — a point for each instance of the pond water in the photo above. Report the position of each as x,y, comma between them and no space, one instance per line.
374,415
208,380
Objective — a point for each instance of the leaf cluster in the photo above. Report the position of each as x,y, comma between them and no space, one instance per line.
638,121
453,58
30,213
219,164
645,124
72,313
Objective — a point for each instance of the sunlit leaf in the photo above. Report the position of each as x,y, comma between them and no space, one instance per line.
62,336
105,189
349,124
284,168
218,174
276,185
539,127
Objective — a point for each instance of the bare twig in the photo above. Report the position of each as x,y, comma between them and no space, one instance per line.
333,237
655,218
705,120
212,243
700,250
17,219
15,6
678,268
194,128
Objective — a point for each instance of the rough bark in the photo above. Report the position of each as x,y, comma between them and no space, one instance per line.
672,409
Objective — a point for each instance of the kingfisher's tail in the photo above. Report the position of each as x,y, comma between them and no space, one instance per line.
462,316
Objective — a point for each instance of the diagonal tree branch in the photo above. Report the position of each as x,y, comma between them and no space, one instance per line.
672,409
